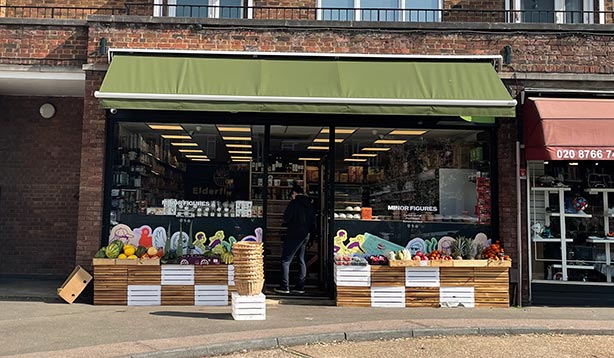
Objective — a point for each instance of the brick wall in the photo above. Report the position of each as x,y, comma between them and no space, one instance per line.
70,9
50,45
481,13
92,144
531,52
39,183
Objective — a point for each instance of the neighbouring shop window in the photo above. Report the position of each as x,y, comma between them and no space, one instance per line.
571,207
554,11
377,10
403,185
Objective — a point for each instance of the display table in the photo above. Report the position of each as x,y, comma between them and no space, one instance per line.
465,283
142,283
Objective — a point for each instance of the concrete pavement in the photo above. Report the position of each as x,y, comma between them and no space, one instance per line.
39,329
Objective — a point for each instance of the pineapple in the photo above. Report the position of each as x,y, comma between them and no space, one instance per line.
462,248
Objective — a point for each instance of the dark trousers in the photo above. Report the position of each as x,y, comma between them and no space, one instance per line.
291,248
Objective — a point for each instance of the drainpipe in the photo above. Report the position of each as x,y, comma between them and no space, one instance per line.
518,223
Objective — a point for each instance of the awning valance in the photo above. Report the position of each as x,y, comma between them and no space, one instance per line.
305,85
569,129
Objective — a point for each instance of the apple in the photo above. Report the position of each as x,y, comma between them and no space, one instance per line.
424,258
419,253
416,258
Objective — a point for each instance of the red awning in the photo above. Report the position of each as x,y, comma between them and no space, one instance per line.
569,129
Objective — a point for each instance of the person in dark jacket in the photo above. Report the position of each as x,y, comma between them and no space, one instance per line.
299,218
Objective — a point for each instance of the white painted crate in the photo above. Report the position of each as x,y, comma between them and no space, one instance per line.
211,295
354,276
388,296
144,295
456,297
422,277
231,275
252,308
177,275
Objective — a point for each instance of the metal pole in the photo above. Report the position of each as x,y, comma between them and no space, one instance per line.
518,223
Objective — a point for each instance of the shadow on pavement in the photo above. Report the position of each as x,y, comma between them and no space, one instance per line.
216,316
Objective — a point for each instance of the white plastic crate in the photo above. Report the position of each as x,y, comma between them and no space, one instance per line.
144,295
231,275
251,308
388,296
353,276
422,277
456,297
177,275
211,295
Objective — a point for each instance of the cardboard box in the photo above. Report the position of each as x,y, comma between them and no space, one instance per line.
74,284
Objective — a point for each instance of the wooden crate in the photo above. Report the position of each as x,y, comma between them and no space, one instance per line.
98,262
110,285
422,297
211,275
144,275
387,276
388,296
211,295
456,276
457,296
179,275
422,277
491,286
353,276
144,295
178,295
354,296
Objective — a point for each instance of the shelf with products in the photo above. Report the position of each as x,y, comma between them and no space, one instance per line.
608,237
570,256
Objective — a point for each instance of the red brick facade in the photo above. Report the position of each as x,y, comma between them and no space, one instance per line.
39,185
45,44
532,52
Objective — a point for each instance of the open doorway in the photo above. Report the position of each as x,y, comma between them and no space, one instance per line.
297,156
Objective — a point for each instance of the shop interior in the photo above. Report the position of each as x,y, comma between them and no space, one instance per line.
570,221
397,183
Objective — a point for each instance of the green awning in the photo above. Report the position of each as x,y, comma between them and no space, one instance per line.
306,85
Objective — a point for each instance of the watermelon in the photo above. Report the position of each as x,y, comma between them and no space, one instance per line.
100,254
114,249
140,251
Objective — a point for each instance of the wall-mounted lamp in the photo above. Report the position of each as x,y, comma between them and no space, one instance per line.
507,54
102,46
47,110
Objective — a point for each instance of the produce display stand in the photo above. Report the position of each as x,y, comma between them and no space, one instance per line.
446,283
147,283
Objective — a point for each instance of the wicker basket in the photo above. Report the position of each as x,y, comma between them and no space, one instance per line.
249,288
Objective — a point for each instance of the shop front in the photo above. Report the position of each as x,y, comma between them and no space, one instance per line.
397,155
569,164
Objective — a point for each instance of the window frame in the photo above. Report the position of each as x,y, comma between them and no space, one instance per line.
212,13
405,15
560,16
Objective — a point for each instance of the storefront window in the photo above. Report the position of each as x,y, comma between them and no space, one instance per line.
570,212
401,185
187,177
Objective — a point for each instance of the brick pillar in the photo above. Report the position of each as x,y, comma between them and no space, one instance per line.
507,134
92,172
